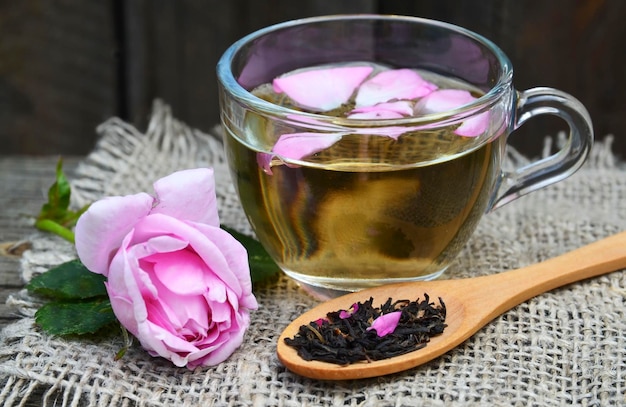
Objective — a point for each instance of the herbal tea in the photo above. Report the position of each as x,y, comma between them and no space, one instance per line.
377,168
366,209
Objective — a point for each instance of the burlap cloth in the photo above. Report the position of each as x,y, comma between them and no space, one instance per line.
567,347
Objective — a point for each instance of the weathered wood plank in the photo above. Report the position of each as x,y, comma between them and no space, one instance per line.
57,75
576,47
24,182
173,48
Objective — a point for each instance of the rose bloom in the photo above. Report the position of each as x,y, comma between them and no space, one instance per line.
176,281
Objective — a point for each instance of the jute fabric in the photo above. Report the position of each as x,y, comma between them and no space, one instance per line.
566,347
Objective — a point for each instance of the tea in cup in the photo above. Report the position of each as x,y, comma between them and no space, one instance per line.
366,148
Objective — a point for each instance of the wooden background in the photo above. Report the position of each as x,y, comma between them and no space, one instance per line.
67,65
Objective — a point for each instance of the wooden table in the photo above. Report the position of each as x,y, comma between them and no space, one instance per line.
24,182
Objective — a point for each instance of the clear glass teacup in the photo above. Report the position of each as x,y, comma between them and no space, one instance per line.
366,148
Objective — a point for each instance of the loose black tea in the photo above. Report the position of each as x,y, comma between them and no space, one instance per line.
354,335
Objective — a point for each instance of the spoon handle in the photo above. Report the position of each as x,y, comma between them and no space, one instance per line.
601,257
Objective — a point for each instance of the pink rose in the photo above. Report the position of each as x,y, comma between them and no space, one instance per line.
176,281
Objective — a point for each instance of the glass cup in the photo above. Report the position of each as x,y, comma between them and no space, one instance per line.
343,203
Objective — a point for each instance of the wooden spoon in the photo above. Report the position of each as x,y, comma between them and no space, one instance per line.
470,303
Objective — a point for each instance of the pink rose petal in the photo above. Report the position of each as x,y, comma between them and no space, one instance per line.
393,84
322,89
264,160
299,145
174,197
230,342
205,247
296,146
449,99
386,323
236,257
176,312
100,230
168,267
475,126
343,314
443,100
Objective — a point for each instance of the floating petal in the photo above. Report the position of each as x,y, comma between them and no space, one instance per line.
450,99
391,85
322,89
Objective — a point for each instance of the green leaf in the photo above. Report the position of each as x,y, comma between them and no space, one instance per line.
58,197
55,215
262,267
68,281
75,318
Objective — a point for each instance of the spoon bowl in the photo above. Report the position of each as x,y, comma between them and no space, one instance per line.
470,304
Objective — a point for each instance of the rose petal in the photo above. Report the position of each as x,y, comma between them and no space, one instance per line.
188,195
100,230
221,312
174,311
393,84
450,99
216,289
125,292
160,342
343,314
443,100
231,341
264,161
157,244
123,309
322,89
236,256
402,107
159,224
298,145
475,126
386,323
170,267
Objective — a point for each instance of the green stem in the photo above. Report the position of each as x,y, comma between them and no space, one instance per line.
51,226
128,341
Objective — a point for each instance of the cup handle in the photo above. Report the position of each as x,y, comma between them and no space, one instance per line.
562,164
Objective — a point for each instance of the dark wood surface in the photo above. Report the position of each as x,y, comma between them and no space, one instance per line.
24,182
65,66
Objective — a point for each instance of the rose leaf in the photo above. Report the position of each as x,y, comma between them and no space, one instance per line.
68,281
55,215
75,317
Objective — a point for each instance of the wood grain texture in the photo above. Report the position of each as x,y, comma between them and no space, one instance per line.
57,77
173,48
24,182
66,66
